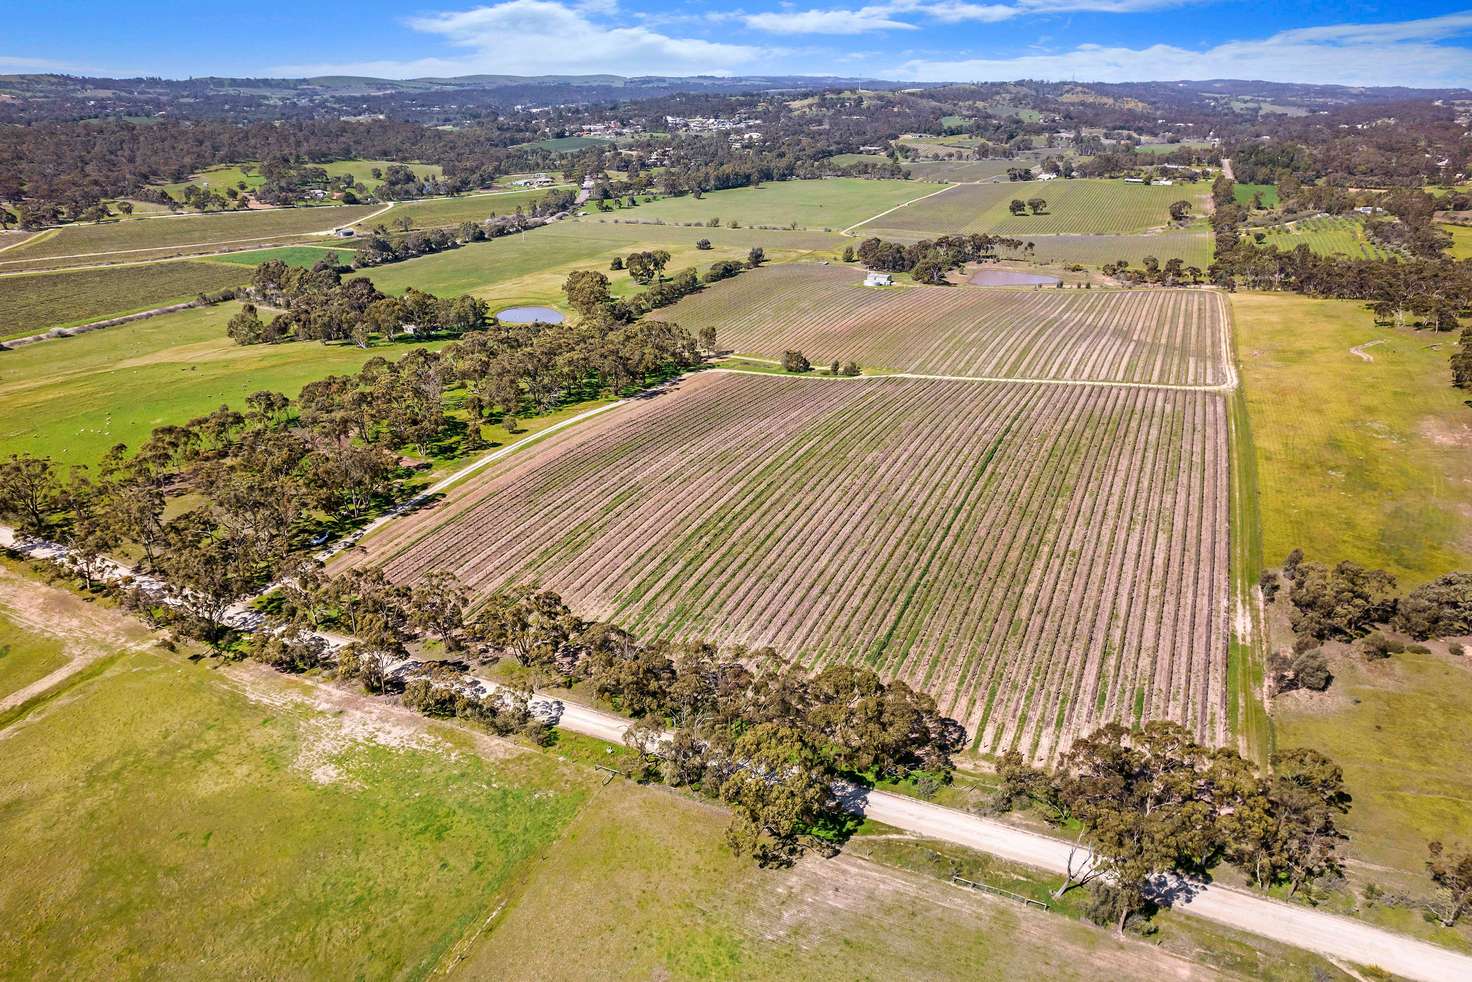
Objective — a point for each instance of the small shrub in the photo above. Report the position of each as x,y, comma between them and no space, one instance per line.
1456,648
1377,646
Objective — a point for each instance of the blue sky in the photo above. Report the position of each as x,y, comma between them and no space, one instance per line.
1356,43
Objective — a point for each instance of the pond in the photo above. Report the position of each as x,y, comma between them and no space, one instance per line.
530,315
1010,277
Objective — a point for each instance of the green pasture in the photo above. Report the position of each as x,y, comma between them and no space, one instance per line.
1402,731
37,302
304,256
1243,194
170,819
1461,247
832,203
74,398
441,212
531,267
1361,458
569,144
220,178
26,656
362,170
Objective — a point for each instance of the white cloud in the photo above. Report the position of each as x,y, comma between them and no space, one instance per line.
1402,53
860,21
549,37
880,16
958,11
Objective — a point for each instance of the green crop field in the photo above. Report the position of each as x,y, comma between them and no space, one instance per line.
147,238
832,203
1362,458
440,212
1327,235
167,819
1079,206
1268,193
76,397
36,302
531,268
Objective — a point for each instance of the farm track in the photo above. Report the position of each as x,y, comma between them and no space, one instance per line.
1155,337
1043,558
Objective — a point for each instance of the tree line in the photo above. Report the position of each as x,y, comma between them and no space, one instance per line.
929,260
278,476
1152,804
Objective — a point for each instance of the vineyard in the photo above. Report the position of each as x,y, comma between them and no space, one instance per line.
1157,336
1191,248
1327,235
146,238
1080,207
1043,558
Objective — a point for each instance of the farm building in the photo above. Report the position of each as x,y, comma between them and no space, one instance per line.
879,279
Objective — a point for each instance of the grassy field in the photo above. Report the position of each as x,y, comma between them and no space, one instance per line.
569,144
1400,729
36,302
76,397
1081,207
439,212
170,820
26,656
1243,194
1461,247
642,888
1327,235
531,268
220,178
833,203
146,238
1357,459
231,175
362,170
291,255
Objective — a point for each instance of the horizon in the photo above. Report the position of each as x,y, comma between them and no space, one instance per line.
1415,45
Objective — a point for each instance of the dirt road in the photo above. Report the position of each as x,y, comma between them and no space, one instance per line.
1327,934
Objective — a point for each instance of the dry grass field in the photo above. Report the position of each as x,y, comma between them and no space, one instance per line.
1156,336
1042,557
